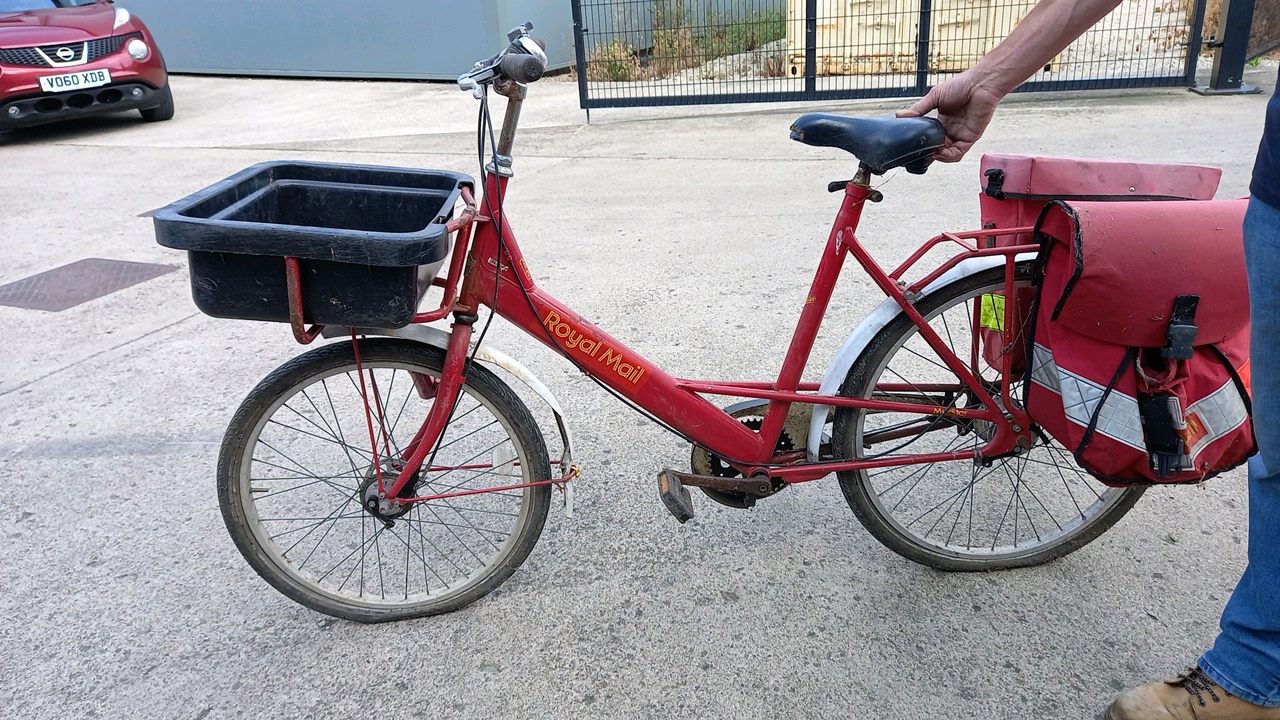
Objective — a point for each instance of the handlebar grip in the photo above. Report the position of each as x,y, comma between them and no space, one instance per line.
521,68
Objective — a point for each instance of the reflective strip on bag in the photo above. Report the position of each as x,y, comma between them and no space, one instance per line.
1118,418
992,315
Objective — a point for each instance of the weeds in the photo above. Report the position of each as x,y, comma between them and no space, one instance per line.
676,45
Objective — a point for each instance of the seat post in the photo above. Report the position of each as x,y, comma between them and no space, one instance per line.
863,177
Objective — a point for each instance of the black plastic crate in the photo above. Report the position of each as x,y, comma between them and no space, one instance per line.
369,240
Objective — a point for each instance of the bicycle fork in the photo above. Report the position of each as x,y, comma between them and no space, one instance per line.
389,496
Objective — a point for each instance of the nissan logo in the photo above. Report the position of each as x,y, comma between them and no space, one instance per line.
65,54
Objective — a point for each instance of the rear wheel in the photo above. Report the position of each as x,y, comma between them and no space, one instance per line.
1021,510
297,473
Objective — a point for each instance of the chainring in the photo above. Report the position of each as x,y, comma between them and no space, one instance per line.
705,462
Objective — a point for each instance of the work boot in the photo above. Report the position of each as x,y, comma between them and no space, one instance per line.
1193,696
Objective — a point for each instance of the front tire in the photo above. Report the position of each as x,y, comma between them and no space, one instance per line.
296,468
1021,510
161,112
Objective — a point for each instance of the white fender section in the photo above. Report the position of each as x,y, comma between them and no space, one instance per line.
438,338
862,335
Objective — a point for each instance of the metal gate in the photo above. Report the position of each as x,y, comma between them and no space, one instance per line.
681,52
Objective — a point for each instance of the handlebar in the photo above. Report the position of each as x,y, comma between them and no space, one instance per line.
521,68
524,61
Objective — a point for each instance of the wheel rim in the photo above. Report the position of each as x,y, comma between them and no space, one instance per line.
310,456
1017,507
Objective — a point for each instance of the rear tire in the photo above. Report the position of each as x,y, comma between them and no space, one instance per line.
1019,511
161,112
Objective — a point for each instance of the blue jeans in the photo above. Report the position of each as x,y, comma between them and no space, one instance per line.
1245,659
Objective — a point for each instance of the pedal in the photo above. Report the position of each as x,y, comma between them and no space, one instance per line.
675,496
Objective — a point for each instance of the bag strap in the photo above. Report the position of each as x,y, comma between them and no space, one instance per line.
1235,378
1077,250
1129,356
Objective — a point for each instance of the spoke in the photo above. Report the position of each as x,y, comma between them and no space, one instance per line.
380,410
382,584
341,490
964,492
317,545
1067,485
422,553
924,469
413,388
504,533
442,553
471,509
1018,478
927,359
362,548
1016,482
297,466
446,526
436,480
950,497
996,538
1071,463
409,549
455,441
966,498
343,445
312,525
328,431
946,326
324,383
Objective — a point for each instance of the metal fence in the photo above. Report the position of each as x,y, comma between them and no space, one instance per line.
678,52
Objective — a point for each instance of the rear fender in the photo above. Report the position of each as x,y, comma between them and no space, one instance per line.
866,331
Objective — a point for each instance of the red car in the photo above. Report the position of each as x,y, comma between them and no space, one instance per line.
63,59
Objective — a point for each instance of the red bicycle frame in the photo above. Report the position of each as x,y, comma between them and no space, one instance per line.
489,269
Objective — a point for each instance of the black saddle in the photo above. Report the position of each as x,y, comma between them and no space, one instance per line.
880,143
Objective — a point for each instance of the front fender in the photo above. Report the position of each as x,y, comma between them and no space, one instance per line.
438,338
862,336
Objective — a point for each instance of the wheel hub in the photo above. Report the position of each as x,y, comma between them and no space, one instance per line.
386,509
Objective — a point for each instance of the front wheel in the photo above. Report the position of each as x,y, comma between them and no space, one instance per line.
1018,511
297,473
162,111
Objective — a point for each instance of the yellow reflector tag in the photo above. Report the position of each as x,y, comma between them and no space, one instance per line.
993,312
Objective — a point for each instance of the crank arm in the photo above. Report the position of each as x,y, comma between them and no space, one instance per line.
759,486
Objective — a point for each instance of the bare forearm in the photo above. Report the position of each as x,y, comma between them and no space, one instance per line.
1046,31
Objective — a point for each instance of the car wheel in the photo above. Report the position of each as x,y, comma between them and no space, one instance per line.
161,112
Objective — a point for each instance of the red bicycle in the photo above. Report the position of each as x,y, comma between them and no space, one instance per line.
382,478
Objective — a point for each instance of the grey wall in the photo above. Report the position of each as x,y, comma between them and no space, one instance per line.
429,39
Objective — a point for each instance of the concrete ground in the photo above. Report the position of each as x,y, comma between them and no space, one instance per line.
691,235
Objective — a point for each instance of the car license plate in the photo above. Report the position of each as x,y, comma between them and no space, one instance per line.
75,81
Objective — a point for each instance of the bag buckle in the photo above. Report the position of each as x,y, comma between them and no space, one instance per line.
1164,427
1182,328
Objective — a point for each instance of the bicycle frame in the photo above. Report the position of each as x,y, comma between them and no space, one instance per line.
496,274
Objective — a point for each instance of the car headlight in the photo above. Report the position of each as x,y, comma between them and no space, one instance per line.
122,16
138,49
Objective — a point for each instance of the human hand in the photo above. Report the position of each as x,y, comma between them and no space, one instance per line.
965,107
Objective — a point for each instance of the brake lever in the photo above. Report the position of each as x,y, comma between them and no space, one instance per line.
481,74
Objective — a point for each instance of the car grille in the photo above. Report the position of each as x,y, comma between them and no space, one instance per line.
97,48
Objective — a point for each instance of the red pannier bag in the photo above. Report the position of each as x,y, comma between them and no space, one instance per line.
1140,344
1017,187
